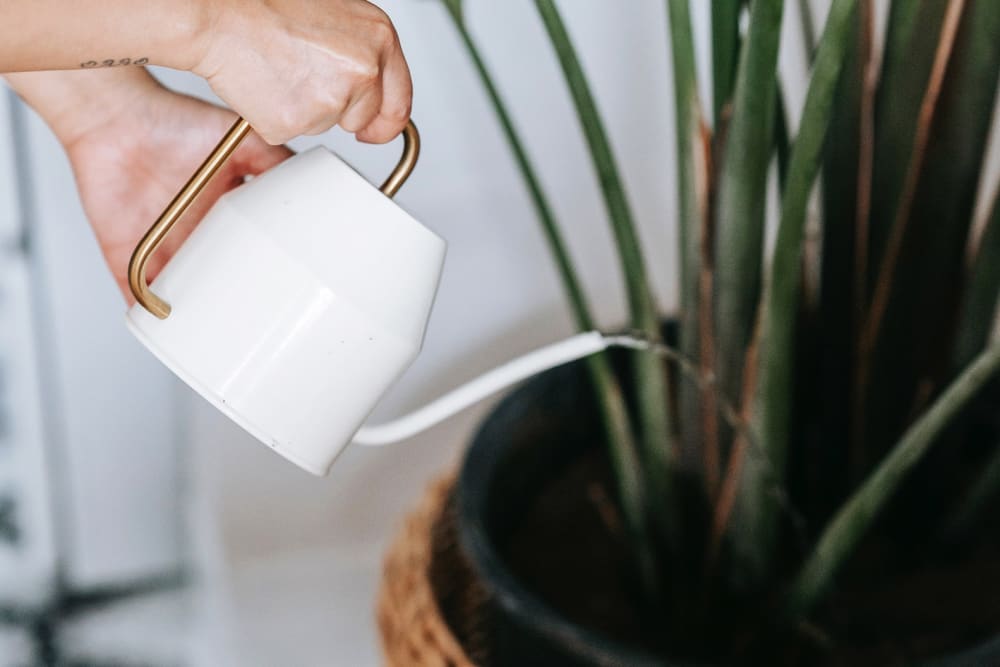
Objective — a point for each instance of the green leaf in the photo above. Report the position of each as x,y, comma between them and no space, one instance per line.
692,185
911,42
781,146
974,504
914,344
838,309
808,24
690,163
905,89
656,433
756,517
564,264
852,522
976,500
455,8
979,309
632,489
742,188
725,52
614,414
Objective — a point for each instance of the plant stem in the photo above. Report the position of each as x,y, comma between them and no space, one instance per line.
755,526
856,516
737,455
970,509
911,343
808,25
653,407
725,53
740,205
692,190
742,188
781,143
574,292
979,307
862,221
617,427
887,269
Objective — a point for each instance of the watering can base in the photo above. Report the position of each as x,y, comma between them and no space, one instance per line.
220,404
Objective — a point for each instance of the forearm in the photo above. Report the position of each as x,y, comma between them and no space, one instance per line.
72,102
89,34
289,67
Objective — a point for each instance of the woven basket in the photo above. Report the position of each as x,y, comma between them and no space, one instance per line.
431,610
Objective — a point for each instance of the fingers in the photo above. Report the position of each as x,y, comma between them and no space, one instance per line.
301,67
363,109
397,99
256,156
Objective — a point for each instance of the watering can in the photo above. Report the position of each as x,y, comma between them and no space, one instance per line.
301,297
297,301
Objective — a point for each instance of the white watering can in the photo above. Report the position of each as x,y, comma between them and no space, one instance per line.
299,300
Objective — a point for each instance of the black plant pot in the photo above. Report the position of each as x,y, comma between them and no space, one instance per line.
532,437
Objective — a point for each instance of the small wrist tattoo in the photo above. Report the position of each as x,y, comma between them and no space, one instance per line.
112,62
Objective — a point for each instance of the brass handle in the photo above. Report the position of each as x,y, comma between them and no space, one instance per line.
152,239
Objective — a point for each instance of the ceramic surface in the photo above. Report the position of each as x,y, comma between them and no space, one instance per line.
296,303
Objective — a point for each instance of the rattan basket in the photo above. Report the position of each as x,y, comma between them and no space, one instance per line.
431,611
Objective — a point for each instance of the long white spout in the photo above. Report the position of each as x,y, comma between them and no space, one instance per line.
489,383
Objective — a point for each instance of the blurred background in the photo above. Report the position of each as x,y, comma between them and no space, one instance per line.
140,527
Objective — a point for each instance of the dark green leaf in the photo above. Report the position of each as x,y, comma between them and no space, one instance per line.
725,52
757,512
808,24
656,432
781,148
692,184
455,7
741,195
838,313
911,42
979,308
913,346
850,524
614,415
975,503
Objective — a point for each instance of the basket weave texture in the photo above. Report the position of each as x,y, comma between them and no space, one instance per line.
431,610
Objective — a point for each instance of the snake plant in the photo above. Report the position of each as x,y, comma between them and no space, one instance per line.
854,351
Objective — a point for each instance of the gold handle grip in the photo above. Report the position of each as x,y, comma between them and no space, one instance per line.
152,239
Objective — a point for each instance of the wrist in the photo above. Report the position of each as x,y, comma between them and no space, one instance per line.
189,34
220,20
74,103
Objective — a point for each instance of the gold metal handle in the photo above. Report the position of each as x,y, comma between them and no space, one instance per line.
152,239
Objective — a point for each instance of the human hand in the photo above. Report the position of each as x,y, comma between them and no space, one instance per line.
293,67
290,67
130,164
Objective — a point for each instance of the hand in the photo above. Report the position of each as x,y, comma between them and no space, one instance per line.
131,164
293,67
290,67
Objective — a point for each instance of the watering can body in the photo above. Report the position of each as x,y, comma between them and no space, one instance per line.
295,304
